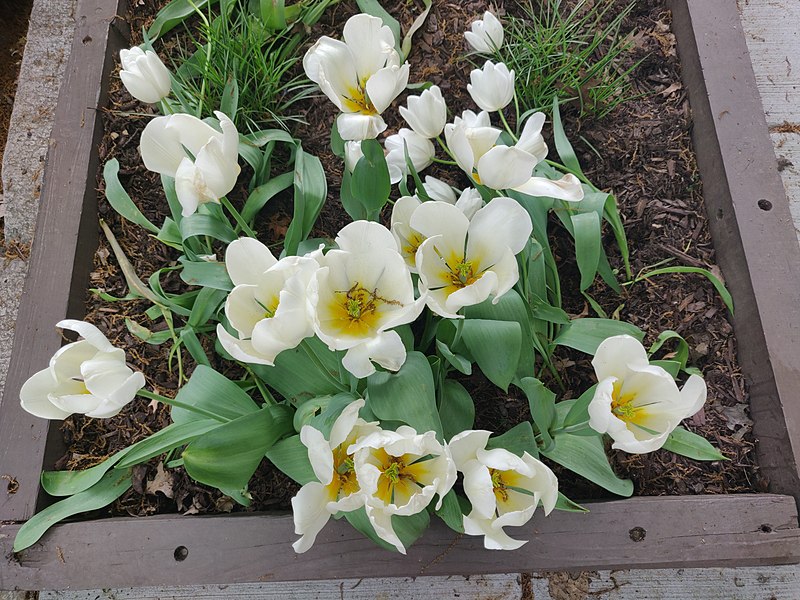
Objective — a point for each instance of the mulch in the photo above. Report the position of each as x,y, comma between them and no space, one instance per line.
645,157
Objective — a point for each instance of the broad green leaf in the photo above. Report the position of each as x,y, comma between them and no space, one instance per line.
516,440
370,183
542,403
587,334
684,442
119,199
673,367
330,412
586,456
450,512
68,483
510,307
563,147
495,346
457,410
172,436
205,306
170,234
229,103
408,395
458,362
259,197
567,505
579,411
212,392
192,343
175,208
273,14
588,245
296,375
408,529
101,494
174,13
206,273
291,457
681,354
226,457
310,192
198,224
143,333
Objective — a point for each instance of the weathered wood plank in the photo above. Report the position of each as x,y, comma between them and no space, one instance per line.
787,149
757,583
66,237
773,37
750,223
672,531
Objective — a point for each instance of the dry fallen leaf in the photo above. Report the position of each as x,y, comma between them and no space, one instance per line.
162,482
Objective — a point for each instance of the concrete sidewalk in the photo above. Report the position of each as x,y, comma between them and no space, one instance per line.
774,42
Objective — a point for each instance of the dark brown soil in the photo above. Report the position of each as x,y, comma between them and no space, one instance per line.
645,158
14,18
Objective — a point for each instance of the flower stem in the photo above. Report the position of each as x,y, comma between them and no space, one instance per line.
237,217
178,404
444,162
445,148
507,126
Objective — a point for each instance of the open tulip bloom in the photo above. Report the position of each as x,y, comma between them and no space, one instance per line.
87,377
209,173
463,262
636,403
492,88
362,290
361,75
268,308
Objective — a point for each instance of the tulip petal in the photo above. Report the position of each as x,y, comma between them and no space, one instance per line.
246,259
505,167
531,140
189,184
384,86
309,508
370,43
34,398
616,354
465,445
567,188
241,350
356,126
88,332
365,236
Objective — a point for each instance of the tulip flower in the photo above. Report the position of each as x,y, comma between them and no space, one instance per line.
144,75
427,113
268,307
436,189
462,262
88,377
507,167
337,489
420,150
352,154
636,403
503,488
206,175
363,290
399,473
491,88
486,35
361,75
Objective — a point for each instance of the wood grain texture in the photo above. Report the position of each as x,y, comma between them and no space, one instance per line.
758,583
750,223
697,530
773,37
65,239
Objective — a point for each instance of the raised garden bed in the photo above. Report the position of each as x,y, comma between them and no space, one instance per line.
746,206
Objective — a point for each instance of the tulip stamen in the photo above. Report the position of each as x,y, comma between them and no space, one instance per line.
499,487
358,101
622,405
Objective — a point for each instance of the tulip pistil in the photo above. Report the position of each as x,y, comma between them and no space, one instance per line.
357,100
463,273
622,405
358,311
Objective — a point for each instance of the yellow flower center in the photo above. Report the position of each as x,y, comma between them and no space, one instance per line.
462,273
270,307
357,100
622,406
357,311
344,480
400,476
411,246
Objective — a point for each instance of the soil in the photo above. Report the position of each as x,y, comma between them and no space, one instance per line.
644,156
14,17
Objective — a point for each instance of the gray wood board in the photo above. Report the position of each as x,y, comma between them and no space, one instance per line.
703,531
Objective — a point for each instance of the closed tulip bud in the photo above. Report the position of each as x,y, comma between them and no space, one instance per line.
144,75
492,88
427,113
486,35
420,150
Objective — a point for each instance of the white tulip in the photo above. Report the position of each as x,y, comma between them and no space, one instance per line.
268,307
211,170
89,377
436,189
486,35
363,290
427,113
337,489
470,202
420,150
462,262
361,75
352,154
469,137
636,403
491,88
503,488
144,75
400,472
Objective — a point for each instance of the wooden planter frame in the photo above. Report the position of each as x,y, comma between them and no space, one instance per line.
757,249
